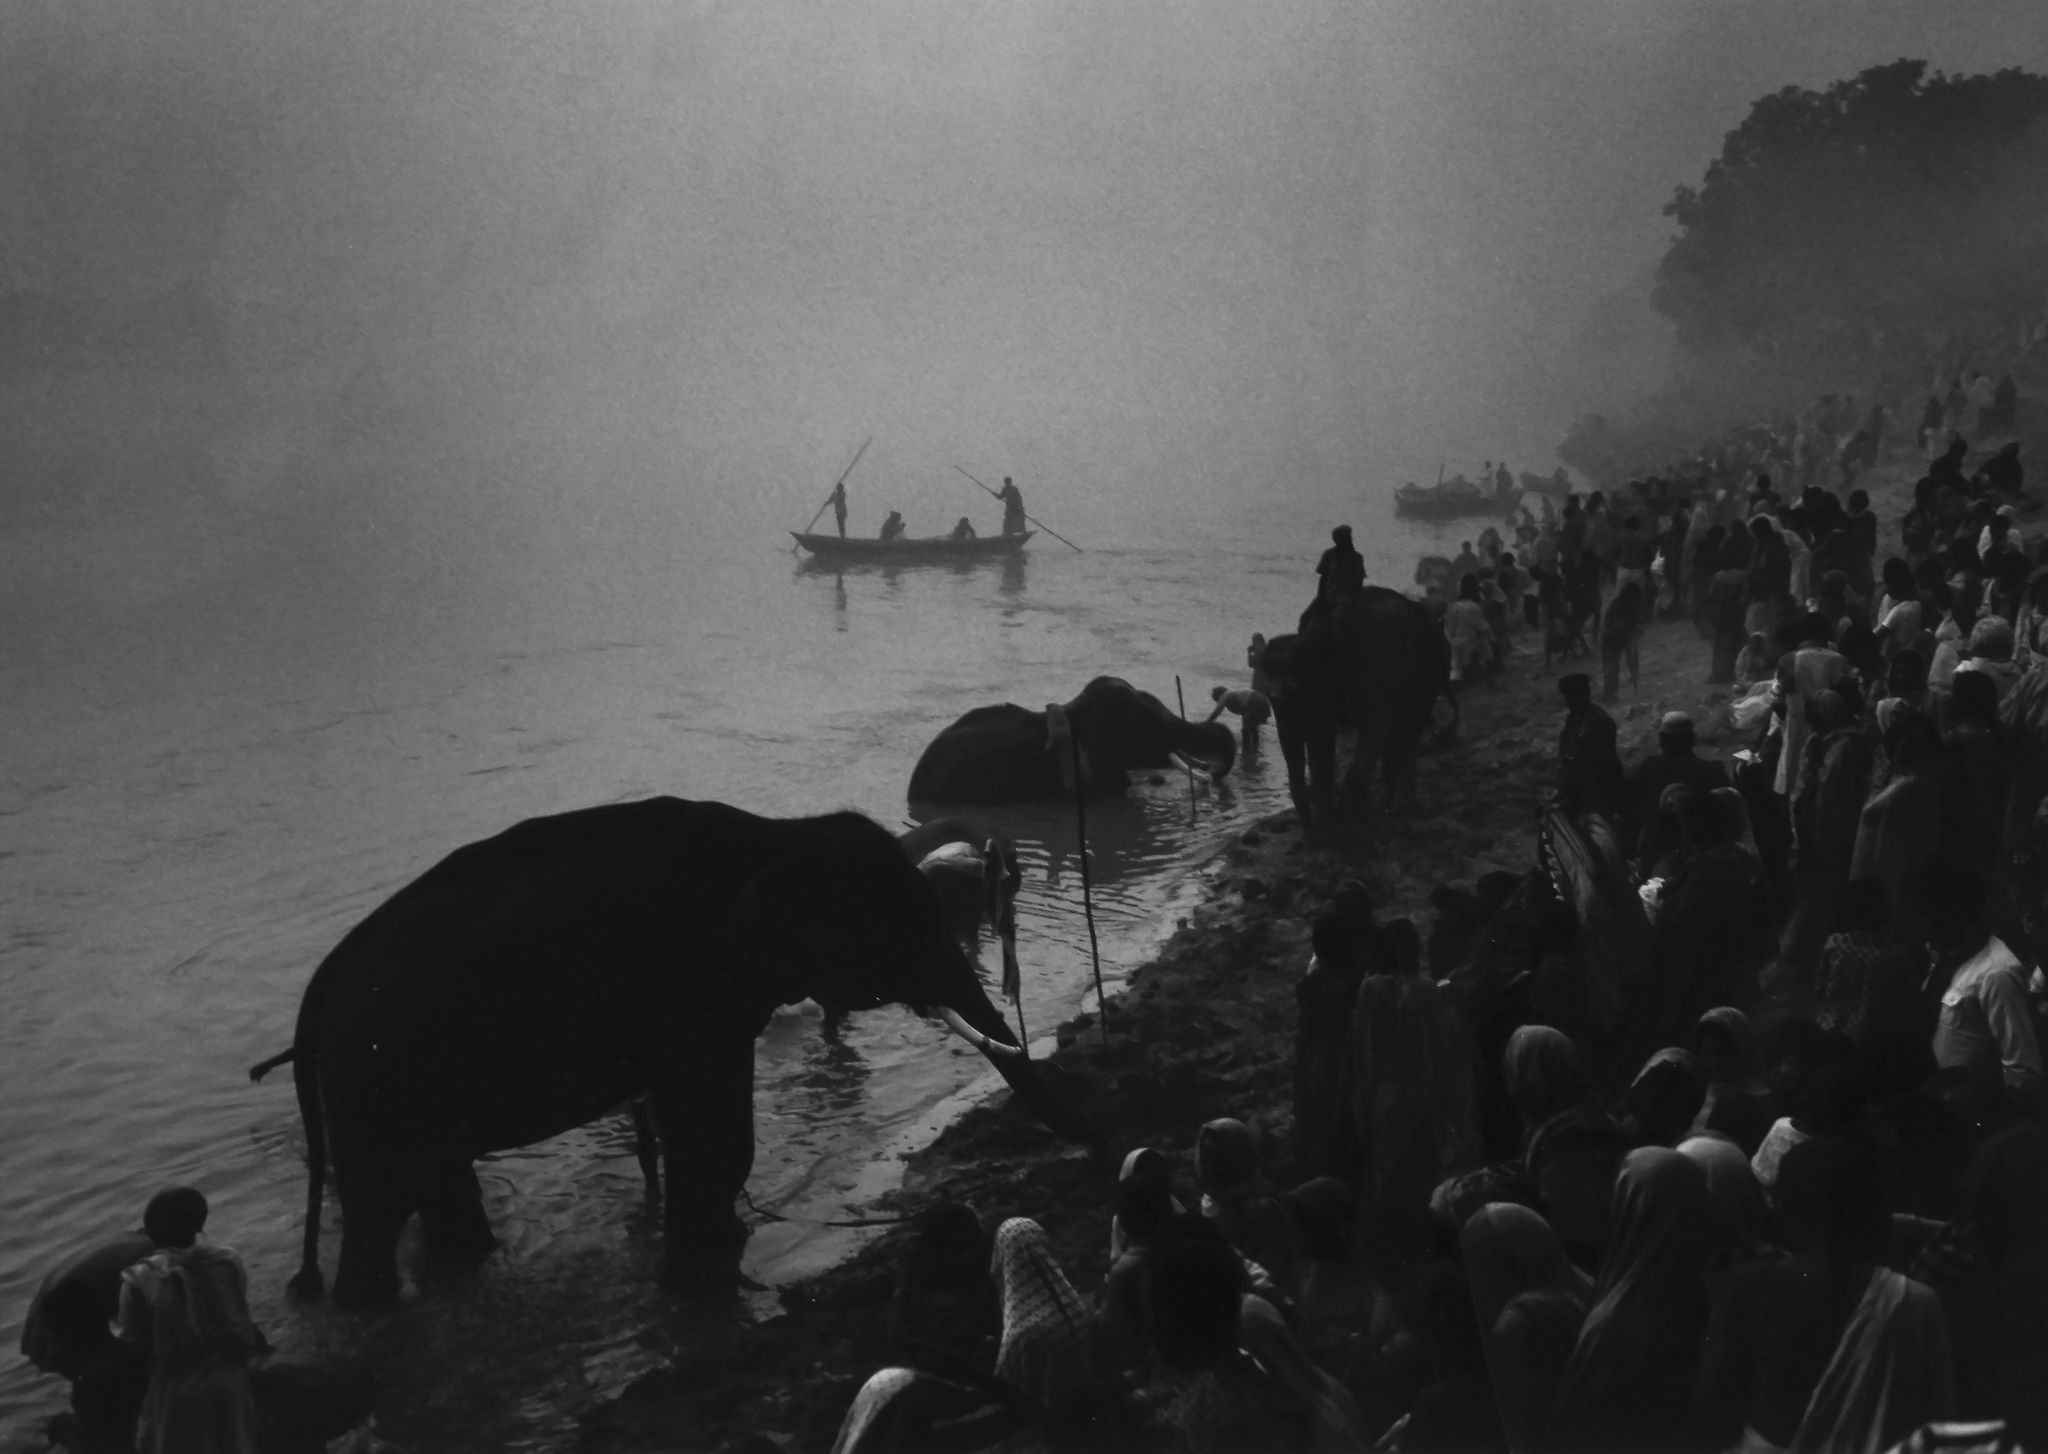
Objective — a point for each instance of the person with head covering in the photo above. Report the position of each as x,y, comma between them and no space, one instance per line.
1236,1198
1411,1092
1661,1102
1334,1422
1826,1351
1990,652
1740,1215
1730,1060
945,1304
1867,978
1046,1324
1628,1383
1323,1142
1145,1209
189,1303
1530,1302
1545,1076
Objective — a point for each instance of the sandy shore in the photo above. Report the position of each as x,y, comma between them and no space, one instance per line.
1206,1029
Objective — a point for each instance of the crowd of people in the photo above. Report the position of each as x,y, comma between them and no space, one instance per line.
1723,1127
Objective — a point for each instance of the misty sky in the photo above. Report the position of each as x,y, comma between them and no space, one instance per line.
484,272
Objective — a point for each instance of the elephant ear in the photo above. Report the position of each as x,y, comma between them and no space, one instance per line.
772,944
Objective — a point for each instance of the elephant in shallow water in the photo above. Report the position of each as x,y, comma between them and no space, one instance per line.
1380,664
540,979
1010,754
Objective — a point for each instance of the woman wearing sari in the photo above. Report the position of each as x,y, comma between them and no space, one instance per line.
1740,1215
1530,1302
1045,1352
1660,1103
1628,1383
1826,1352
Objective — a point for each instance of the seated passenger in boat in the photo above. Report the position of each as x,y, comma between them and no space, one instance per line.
893,526
964,530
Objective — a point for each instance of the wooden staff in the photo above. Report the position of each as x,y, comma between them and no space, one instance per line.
1039,523
1182,698
1087,892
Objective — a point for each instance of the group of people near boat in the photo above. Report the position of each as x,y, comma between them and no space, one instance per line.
1759,1164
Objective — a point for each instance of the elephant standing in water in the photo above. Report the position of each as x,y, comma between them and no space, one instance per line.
540,979
1009,754
1378,663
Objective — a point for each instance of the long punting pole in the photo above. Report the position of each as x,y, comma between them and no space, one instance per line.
838,482
1032,518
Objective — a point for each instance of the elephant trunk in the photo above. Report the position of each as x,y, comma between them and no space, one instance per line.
981,1017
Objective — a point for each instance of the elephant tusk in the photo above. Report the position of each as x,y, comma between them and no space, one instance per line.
1188,764
974,1037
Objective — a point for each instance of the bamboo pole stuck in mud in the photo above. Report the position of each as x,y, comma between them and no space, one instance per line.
1181,697
1087,889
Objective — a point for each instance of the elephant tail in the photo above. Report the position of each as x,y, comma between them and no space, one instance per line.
307,1284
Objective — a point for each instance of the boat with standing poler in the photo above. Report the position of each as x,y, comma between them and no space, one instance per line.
1456,496
904,550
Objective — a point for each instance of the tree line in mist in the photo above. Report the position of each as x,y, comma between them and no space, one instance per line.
1852,239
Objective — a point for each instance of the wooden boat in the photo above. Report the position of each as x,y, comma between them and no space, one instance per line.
1447,501
905,549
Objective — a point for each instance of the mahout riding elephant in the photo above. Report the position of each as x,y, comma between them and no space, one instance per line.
540,979
1377,663
1010,754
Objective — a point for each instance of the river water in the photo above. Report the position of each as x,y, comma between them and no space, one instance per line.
200,797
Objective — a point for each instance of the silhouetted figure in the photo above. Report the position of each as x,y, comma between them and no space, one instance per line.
893,526
838,503
1013,507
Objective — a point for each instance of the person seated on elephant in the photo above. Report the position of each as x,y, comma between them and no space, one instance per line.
188,1304
1411,1098
964,530
1340,573
67,1332
1322,1140
1237,1199
1660,1104
945,1312
1248,703
1589,766
1675,763
1048,1329
1468,631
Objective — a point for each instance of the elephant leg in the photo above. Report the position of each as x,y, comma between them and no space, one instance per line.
373,1213
707,1135
452,1221
647,1147
1322,771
